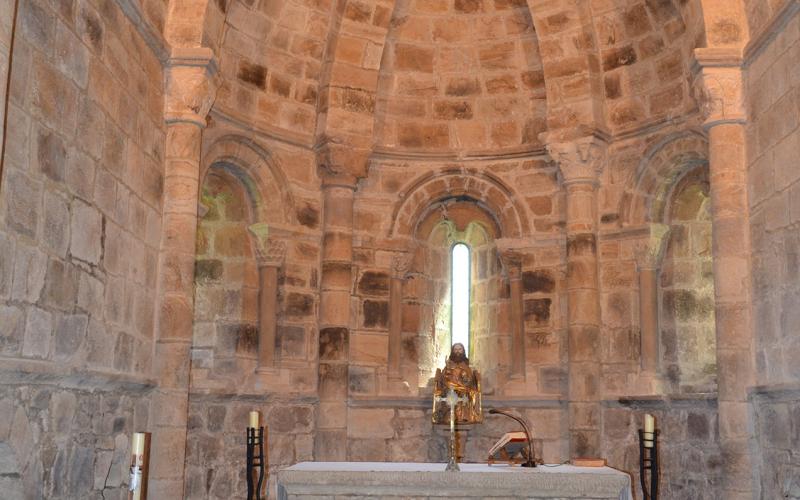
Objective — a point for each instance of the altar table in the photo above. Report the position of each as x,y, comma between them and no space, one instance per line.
335,480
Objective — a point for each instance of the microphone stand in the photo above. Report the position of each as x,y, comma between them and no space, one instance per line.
531,461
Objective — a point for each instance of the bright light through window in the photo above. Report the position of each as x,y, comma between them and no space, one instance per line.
459,313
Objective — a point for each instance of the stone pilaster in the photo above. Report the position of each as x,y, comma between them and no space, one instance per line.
190,92
718,80
512,264
581,162
649,257
339,170
401,263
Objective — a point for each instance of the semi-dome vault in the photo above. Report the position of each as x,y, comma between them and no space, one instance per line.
209,207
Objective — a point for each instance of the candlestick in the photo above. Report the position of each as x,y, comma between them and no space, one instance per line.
648,463
649,428
255,418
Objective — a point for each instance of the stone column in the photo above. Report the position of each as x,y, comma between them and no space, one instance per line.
190,90
648,260
338,191
580,162
269,256
720,87
400,265
512,262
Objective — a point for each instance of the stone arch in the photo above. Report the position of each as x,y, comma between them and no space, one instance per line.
422,195
686,286
261,177
645,198
568,29
186,24
349,76
726,22
450,80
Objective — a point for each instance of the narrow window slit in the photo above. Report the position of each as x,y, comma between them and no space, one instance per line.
460,293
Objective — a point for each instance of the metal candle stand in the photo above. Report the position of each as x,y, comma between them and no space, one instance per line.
255,461
648,461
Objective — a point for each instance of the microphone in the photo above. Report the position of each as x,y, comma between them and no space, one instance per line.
531,462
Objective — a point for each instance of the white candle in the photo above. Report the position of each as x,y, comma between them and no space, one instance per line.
649,430
255,417
137,446
649,423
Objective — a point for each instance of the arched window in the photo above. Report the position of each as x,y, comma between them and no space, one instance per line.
460,287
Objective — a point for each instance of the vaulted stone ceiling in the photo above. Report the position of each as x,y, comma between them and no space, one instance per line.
463,75
452,75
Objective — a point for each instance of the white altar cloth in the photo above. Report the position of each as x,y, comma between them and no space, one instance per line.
317,480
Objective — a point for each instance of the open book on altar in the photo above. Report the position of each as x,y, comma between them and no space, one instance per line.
508,447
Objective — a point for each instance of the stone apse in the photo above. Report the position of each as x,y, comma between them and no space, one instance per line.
261,217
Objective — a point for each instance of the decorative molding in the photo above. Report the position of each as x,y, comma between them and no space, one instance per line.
655,125
303,141
667,401
717,57
391,154
15,371
225,396
774,392
624,233
198,57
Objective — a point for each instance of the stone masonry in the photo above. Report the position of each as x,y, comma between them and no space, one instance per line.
213,207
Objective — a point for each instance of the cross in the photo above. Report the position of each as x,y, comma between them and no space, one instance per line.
452,399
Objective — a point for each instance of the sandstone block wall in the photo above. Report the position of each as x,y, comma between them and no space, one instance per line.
246,183
5,48
68,443
689,453
80,222
215,454
80,216
773,140
390,217
271,57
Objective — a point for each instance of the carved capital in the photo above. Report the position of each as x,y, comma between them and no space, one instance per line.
719,86
401,264
273,255
512,265
269,252
581,160
191,85
511,257
650,252
341,164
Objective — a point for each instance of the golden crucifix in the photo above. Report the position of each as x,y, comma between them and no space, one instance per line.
452,399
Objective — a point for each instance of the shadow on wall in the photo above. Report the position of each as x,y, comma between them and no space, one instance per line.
688,336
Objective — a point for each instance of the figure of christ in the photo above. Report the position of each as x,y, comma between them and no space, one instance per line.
466,382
